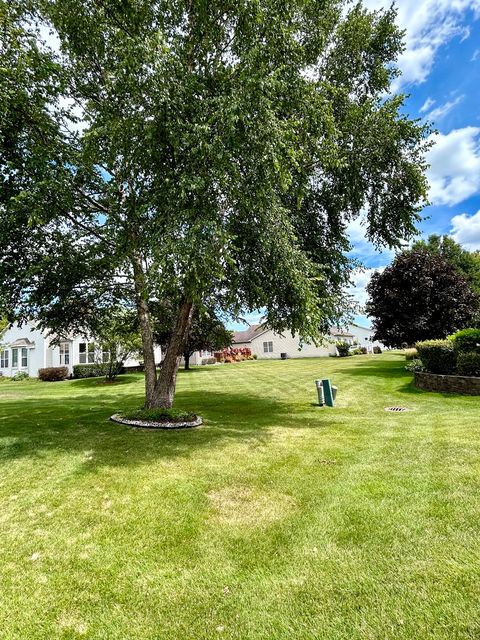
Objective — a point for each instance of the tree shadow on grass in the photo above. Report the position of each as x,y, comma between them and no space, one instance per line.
375,370
32,428
88,383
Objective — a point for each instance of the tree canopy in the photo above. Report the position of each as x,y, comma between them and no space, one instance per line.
186,151
466,262
421,295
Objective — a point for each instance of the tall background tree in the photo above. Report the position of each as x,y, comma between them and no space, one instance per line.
206,332
174,150
466,262
421,295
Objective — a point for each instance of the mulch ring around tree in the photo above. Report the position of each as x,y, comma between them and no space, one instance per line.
158,424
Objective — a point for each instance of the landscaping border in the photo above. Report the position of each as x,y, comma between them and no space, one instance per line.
143,424
465,385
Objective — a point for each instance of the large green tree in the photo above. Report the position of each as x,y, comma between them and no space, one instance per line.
181,149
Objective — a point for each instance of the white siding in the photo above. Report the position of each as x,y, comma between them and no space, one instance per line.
45,355
284,343
35,356
364,336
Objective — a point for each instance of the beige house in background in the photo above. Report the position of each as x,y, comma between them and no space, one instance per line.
266,344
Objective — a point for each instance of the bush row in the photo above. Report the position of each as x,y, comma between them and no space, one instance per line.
459,354
95,370
466,340
234,354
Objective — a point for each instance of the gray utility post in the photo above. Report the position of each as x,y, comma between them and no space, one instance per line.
321,397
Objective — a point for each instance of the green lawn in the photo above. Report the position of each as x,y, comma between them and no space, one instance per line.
275,520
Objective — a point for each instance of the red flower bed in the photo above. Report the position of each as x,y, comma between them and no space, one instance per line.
233,354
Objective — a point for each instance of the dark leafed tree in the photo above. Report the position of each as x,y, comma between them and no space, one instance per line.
206,332
176,150
419,296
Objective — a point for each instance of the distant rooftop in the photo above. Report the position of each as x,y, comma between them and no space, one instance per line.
249,334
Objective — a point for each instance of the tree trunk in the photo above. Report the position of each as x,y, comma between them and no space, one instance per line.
186,357
165,387
145,322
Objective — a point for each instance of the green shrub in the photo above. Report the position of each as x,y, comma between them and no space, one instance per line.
377,349
53,374
20,375
438,356
411,354
90,370
343,349
466,340
415,365
255,356
468,364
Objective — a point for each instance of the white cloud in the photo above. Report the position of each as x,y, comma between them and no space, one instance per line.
429,24
476,55
360,279
466,230
429,102
466,33
365,252
442,110
454,173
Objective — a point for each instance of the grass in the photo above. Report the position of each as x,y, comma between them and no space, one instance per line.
275,520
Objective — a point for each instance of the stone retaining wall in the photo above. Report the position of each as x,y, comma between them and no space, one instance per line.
447,384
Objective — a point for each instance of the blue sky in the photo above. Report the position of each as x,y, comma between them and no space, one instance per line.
441,75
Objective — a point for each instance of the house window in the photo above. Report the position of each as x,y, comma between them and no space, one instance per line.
105,354
4,359
14,358
24,357
86,353
64,353
268,347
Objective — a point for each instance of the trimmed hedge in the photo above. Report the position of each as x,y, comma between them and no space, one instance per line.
468,364
53,374
95,370
438,356
466,340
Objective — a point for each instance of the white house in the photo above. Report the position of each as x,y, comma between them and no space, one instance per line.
26,348
266,344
